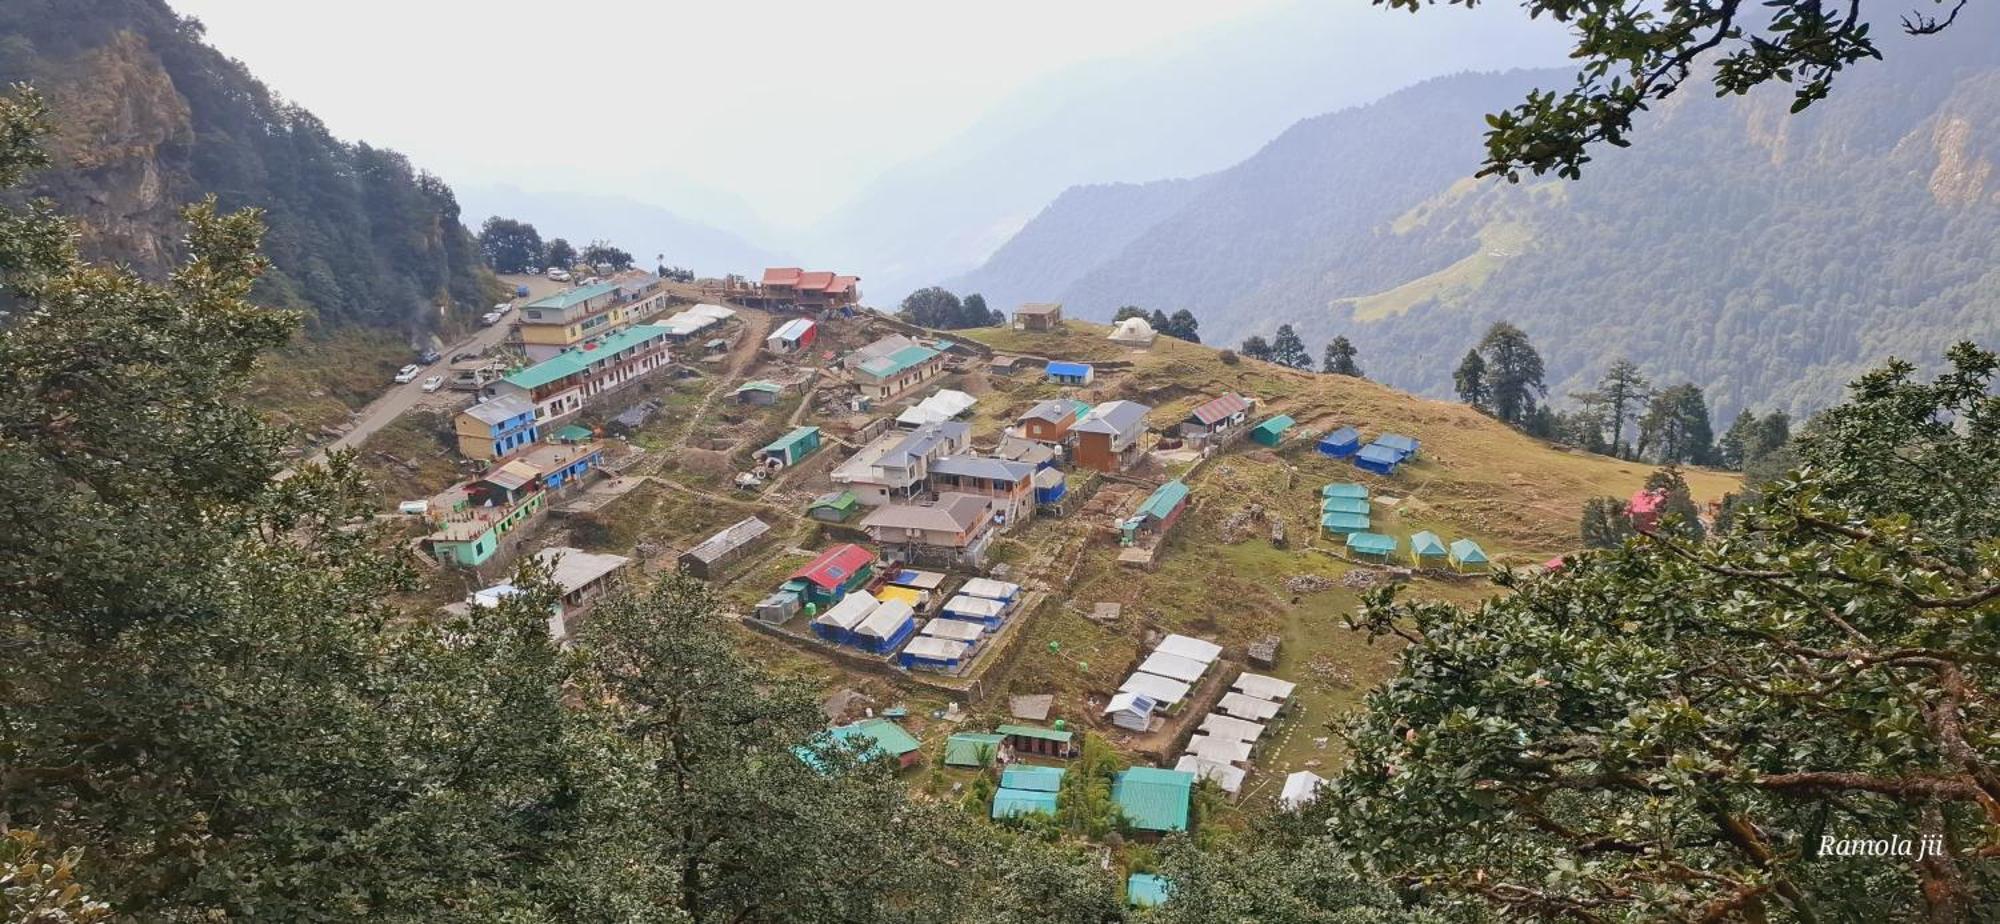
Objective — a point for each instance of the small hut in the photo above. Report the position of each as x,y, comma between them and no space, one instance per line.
1271,432
1340,443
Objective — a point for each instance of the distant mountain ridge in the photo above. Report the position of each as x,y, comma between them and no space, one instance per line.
148,118
1768,258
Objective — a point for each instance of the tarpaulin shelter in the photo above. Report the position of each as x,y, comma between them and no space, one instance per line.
1344,489
1341,524
1466,553
1358,505
1340,443
1378,458
1426,546
1374,545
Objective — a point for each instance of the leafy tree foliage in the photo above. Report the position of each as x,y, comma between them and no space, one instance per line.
602,253
1512,373
939,308
1128,311
1632,61
1288,350
1616,401
1672,730
1606,524
1256,347
1182,325
559,254
1339,359
1470,379
510,246
1676,428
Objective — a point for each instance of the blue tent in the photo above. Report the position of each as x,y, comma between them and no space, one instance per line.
1340,443
1377,458
1407,445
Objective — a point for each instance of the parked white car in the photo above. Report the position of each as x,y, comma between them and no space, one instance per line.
490,318
556,275
503,307
408,374
433,383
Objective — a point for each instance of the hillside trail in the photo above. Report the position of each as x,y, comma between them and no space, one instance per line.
756,326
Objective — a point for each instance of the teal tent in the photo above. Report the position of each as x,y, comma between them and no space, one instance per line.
1345,505
1371,544
1425,545
1340,523
1466,553
1345,489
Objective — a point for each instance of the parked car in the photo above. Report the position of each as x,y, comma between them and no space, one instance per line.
408,374
556,275
490,318
462,357
433,383
503,307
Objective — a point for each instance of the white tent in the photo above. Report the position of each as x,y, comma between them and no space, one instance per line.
1193,649
1163,690
992,589
1175,666
944,405
1133,331
1228,777
1244,706
935,649
1222,726
1265,688
975,607
955,629
849,612
1131,711
1300,788
886,620
1220,750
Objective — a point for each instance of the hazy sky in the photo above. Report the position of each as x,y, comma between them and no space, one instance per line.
789,104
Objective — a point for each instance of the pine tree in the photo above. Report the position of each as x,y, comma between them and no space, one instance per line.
1513,373
1339,359
1255,347
1735,446
1676,428
1470,378
1184,326
1618,398
1288,350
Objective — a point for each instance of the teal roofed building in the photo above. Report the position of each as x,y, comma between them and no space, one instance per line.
791,448
1426,548
893,365
972,749
1358,505
1158,512
566,383
1341,524
1151,799
1008,803
1345,489
1031,777
1271,432
871,738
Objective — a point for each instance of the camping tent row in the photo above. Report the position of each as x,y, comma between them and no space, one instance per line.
938,408
1344,513
930,653
1164,679
981,610
863,621
1224,739
1385,453
1227,777
1371,545
694,320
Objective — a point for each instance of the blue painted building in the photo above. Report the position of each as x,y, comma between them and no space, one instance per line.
497,428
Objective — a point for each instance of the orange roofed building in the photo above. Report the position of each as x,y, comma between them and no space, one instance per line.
809,290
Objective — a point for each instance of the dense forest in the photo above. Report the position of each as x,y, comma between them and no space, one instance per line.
152,118
1768,259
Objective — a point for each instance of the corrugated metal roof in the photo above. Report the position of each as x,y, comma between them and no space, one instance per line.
1264,687
1277,425
1114,417
570,298
501,409
733,537
1216,410
835,565
1164,500
1068,369
972,749
578,358
1358,505
1032,778
1011,802
1035,731
1344,489
1153,799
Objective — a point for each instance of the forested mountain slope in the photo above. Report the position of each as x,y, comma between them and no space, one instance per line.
1768,258
152,118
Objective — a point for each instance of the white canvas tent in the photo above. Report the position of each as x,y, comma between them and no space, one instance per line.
974,607
849,612
885,621
1222,726
1175,666
1133,332
1244,706
1220,750
957,630
1229,778
1264,688
935,649
944,405
1193,649
991,589
1163,690
1301,788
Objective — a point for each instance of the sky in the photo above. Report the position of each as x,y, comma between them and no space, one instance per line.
785,105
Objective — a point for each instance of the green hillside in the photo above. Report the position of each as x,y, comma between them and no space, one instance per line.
1767,259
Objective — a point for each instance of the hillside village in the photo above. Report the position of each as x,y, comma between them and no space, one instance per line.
996,548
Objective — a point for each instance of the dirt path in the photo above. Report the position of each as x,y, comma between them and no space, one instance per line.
756,326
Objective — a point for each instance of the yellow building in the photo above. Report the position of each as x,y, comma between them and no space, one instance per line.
554,323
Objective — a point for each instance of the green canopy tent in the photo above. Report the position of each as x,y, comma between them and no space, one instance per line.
1466,553
1426,548
1345,505
1373,545
1345,489
1336,524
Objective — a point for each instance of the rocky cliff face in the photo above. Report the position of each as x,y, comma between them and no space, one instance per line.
121,147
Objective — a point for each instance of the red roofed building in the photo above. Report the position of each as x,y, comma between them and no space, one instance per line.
1644,509
807,290
833,574
1216,417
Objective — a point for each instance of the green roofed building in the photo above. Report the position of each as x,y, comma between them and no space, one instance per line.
971,749
1341,524
1144,890
1426,548
1271,431
1152,799
880,735
1373,545
1358,505
1034,739
1030,777
1008,803
792,447
1345,489
578,359
836,507
575,434
1466,554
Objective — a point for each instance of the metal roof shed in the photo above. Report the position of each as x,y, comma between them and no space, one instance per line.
793,446
1245,706
1163,690
1174,666
1152,799
1008,803
972,749
1191,648
1222,726
990,589
1272,431
1033,778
